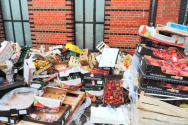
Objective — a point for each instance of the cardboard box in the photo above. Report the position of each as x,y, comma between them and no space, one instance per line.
52,97
84,57
74,62
93,81
173,28
142,49
12,120
92,61
29,69
164,88
67,71
51,58
151,33
64,112
73,48
68,84
59,65
6,51
91,93
159,72
3,65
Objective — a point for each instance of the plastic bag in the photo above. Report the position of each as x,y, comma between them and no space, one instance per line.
78,113
20,98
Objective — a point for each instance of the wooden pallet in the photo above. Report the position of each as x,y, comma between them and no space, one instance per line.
75,99
101,46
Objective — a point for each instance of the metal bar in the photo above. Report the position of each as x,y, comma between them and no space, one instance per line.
94,24
153,12
183,6
23,31
16,20
74,21
83,24
2,19
104,21
12,21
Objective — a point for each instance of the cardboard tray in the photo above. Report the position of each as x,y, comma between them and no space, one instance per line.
92,87
7,88
150,71
12,120
93,76
16,112
64,112
152,86
142,49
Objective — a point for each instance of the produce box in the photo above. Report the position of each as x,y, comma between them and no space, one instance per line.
67,71
23,55
74,62
29,69
73,80
59,65
7,88
3,65
51,58
84,57
113,91
17,102
10,119
92,61
91,93
6,51
93,81
152,34
104,71
171,54
73,48
52,97
164,70
164,88
57,118
173,28
74,54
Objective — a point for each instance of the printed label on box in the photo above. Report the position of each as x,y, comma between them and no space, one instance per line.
12,121
99,82
4,119
22,112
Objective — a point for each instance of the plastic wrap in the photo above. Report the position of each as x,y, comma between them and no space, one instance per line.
9,71
78,113
19,98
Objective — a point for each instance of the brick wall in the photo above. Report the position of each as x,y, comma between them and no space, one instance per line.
2,37
123,18
51,22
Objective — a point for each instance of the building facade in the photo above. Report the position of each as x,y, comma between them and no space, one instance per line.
82,22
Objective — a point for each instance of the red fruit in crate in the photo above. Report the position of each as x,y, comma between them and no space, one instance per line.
111,97
109,88
175,64
120,97
169,85
121,86
117,84
110,84
118,88
164,51
110,102
109,81
179,87
120,101
185,88
113,84
162,83
116,100
105,73
105,91
163,69
175,54
173,51
114,94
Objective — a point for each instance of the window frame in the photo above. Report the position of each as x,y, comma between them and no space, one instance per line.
12,21
94,22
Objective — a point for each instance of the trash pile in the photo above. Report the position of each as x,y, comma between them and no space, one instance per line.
162,66
58,81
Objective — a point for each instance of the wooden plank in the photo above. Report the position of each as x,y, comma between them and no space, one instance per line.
22,122
161,107
75,102
46,80
162,118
